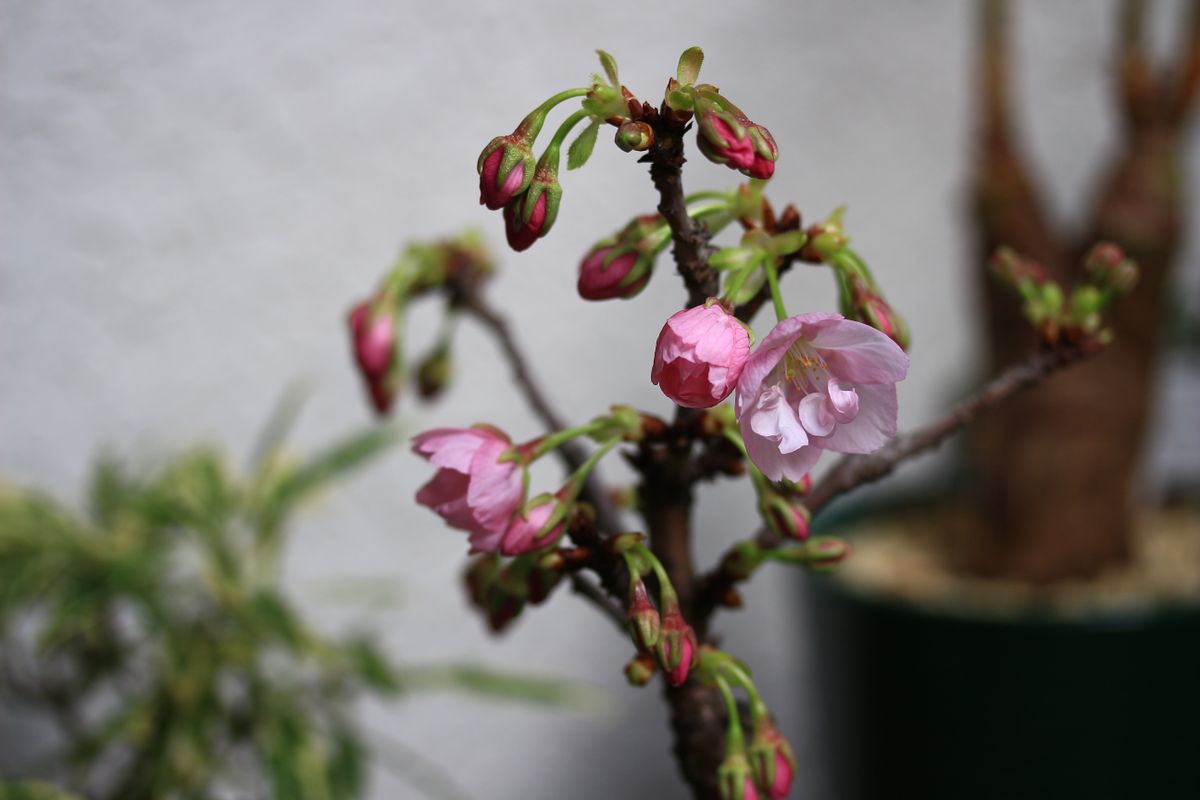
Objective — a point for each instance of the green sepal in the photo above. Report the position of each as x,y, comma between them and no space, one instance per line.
689,66
610,68
581,149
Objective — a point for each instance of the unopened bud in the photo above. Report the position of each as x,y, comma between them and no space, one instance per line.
789,520
479,575
634,136
676,646
819,553
741,561
643,619
734,779
433,373
772,760
640,670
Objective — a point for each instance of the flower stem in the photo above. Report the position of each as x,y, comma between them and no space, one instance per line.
531,126
555,440
550,157
776,298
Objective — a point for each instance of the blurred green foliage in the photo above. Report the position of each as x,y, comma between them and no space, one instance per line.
154,630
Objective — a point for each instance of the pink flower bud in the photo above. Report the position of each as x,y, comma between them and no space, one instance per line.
699,355
788,519
472,490
506,169
530,216
373,335
772,760
728,137
644,622
619,277
676,646
522,533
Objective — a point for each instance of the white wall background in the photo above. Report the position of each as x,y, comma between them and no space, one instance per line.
193,193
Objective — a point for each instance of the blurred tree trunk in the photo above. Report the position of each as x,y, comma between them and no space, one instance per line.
1056,466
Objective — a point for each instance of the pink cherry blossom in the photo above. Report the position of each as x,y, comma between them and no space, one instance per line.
817,382
521,536
699,355
600,281
472,490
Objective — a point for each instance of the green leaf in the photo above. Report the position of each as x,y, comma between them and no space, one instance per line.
689,66
371,665
485,682
328,465
610,68
279,425
581,149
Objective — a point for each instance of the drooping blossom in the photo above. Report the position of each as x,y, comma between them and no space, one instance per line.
373,337
699,355
817,382
521,536
473,490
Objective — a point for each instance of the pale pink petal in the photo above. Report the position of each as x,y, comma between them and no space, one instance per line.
874,425
485,541
843,401
815,415
496,489
522,533
773,418
453,448
769,352
446,494
858,353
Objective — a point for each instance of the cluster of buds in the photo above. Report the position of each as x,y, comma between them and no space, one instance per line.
727,136
452,266
621,265
661,635
767,767
859,296
501,591
1076,317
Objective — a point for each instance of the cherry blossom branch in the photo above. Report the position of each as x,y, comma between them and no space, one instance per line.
690,239
599,598
855,470
571,453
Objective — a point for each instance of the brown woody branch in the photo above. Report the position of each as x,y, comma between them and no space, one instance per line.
853,471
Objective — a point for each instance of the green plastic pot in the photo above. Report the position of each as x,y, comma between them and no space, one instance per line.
931,704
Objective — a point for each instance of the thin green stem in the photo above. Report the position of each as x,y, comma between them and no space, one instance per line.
735,740
709,195
550,157
580,476
776,297
531,126
735,284
555,440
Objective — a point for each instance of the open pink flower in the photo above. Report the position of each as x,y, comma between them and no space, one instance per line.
817,382
472,490
699,355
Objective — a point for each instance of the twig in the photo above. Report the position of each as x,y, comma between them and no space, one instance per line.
690,239
571,453
598,598
855,470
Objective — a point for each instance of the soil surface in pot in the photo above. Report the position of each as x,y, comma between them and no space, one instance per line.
913,556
